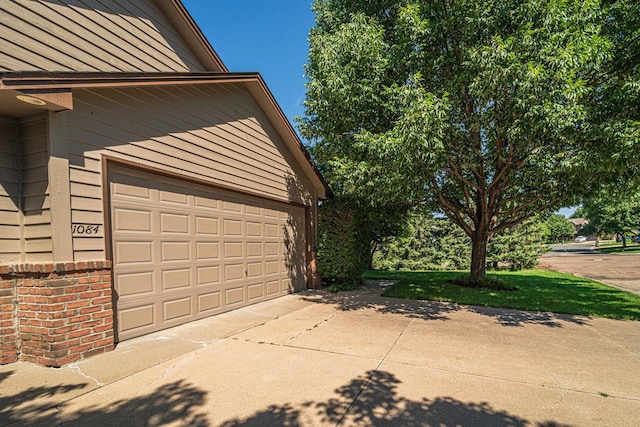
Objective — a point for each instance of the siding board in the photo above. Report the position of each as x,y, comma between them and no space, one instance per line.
10,239
35,189
90,35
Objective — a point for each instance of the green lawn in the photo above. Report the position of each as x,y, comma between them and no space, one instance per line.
538,290
632,248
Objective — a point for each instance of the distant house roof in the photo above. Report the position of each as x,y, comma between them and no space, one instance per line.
579,221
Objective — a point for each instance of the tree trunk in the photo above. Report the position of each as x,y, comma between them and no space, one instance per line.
479,242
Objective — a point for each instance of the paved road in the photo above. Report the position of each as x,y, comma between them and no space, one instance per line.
581,259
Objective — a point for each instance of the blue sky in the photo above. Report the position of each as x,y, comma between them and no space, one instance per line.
261,35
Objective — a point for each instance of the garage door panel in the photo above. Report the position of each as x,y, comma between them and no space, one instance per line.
132,186
132,220
174,223
273,287
272,249
234,296
175,251
254,250
232,205
177,308
134,252
255,269
232,227
232,250
254,229
272,267
207,251
233,272
130,284
207,201
209,275
207,226
137,317
176,279
173,194
209,302
271,230
183,251
253,210
255,291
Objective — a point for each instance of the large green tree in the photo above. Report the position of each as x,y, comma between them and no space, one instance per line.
480,106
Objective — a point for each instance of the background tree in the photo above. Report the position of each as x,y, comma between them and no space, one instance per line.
426,243
558,228
610,216
480,106
519,247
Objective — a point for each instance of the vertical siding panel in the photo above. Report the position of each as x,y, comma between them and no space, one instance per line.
35,189
90,35
10,247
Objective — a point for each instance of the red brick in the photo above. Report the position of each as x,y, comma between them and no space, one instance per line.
102,314
52,291
78,319
77,304
91,309
64,298
64,314
65,344
102,328
105,285
64,329
52,307
90,294
91,338
89,279
76,289
90,324
104,343
78,334
53,323
63,360
80,348
102,300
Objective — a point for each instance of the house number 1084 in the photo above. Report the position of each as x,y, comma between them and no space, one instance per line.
85,229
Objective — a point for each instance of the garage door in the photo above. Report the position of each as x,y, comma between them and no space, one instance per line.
183,251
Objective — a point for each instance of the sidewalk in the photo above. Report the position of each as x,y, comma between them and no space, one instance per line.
349,359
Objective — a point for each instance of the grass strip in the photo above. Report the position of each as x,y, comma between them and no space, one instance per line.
537,290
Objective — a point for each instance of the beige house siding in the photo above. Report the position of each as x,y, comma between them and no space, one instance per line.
90,35
35,189
210,133
10,246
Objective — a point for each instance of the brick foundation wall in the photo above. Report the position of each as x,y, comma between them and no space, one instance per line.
8,332
61,312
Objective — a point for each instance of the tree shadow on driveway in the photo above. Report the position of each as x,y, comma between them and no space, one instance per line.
175,402
368,296
373,399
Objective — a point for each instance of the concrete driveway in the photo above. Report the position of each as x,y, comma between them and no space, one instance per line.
581,259
352,359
